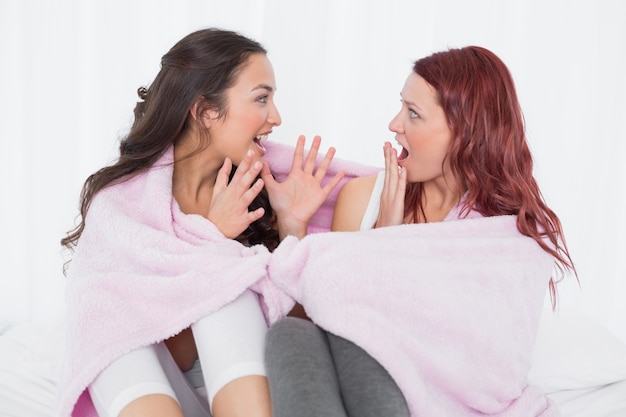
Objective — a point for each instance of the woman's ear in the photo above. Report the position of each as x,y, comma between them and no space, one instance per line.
200,113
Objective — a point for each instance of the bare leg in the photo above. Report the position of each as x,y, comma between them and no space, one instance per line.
154,405
136,384
245,396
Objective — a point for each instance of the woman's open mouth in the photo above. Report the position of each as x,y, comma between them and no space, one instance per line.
258,139
403,154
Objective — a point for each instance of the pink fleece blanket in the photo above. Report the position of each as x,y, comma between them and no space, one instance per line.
450,309
143,271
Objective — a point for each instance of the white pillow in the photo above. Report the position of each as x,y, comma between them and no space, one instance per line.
574,351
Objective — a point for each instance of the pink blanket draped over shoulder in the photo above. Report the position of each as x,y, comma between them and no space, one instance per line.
143,271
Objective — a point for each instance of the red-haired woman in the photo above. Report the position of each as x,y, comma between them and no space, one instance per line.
463,154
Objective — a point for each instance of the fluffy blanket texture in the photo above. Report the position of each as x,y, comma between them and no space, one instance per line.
450,309
143,271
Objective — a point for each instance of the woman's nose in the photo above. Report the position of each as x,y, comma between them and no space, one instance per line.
274,116
395,124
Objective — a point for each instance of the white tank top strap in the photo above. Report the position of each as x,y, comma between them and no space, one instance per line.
371,211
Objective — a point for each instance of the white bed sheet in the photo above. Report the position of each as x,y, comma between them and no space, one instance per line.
595,387
27,380
602,401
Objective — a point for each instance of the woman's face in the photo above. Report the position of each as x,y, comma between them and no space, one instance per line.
250,112
422,131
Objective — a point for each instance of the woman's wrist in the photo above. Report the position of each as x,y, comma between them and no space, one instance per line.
291,228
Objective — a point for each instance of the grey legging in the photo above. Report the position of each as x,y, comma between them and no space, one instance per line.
315,373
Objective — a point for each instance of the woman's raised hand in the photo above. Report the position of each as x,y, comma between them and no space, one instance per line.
302,193
229,204
391,210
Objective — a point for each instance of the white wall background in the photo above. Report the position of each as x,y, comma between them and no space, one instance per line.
69,70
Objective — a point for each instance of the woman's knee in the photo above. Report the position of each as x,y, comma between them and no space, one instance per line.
293,326
293,342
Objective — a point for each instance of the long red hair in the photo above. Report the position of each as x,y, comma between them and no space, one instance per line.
489,155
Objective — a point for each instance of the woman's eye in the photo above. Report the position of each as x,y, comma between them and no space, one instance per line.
413,113
262,99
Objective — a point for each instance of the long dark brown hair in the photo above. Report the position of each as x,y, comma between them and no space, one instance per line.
204,64
489,155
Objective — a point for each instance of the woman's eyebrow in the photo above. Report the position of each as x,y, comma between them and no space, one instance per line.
264,87
409,103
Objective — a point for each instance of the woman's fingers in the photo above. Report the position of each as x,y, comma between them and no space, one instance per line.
245,184
328,188
394,190
402,181
251,192
230,202
254,215
388,171
246,173
391,169
298,154
311,158
322,169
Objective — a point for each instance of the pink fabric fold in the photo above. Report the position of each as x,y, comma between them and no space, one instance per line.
450,309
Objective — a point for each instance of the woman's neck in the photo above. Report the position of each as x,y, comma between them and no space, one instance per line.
438,200
193,179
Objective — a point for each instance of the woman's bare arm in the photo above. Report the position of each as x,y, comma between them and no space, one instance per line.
351,203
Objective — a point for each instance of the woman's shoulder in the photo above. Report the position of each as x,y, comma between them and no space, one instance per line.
352,202
360,185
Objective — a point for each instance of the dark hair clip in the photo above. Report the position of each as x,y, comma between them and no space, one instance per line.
142,92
